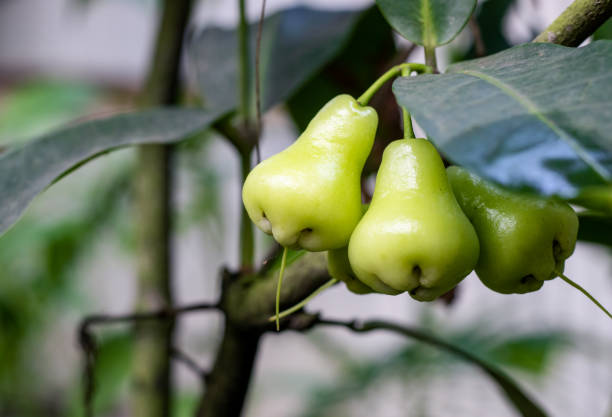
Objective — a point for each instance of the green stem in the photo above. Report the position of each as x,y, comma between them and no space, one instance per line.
151,388
243,48
247,245
430,58
585,292
278,287
577,22
305,301
408,130
391,73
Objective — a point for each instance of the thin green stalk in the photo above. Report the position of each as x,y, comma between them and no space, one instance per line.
305,301
247,244
585,292
391,73
243,48
278,287
408,130
430,58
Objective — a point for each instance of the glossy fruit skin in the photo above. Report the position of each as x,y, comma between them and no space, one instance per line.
414,237
523,239
339,267
309,195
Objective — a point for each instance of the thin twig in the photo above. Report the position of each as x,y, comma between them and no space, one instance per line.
164,313
521,400
88,344
258,79
190,363
479,45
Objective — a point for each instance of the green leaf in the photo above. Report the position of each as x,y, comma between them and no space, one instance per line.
530,352
604,31
534,117
28,170
367,53
296,44
595,227
429,23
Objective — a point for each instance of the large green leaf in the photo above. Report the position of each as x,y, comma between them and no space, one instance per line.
296,44
427,22
28,170
534,117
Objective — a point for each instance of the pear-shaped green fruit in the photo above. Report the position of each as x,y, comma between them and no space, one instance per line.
339,267
309,195
414,237
523,239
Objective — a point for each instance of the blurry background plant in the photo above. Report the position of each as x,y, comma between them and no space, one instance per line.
51,261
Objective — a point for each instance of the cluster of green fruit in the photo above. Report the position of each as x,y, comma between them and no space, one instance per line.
426,228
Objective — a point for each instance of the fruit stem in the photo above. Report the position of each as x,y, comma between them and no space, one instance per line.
278,286
585,292
391,73
408,130
305,301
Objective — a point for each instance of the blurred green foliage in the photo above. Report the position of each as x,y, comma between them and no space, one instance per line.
40,254
36,107
529,353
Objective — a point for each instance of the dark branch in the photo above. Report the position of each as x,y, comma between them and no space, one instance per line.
190,363
161,314
479,45
88,344
522,401
579,21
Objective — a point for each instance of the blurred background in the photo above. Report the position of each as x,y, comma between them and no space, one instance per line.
63,61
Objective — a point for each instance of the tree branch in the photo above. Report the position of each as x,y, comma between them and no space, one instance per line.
579,21
250,301
88,343
229,380
151,388
521,400
190,363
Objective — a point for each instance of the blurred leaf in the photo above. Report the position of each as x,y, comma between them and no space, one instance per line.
535,117
185,404
370,48
111,371
37,260
429,23
595,228
28,170
529,353
296,44
596,198
34,108
604,31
